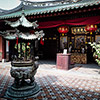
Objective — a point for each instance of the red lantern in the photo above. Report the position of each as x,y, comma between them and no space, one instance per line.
42,41
28,43
63,29
91,28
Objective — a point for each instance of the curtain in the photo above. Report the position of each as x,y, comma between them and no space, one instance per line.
76,21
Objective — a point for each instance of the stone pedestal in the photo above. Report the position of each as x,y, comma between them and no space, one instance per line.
24,92
63,61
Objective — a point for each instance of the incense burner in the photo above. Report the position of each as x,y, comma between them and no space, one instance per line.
24,85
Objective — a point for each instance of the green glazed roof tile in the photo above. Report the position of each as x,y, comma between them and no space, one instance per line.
43,10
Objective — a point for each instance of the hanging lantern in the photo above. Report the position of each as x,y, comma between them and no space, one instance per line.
28,43
42,41
91,28
17,41
63,29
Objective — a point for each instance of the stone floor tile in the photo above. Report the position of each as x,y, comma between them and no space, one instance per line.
57,84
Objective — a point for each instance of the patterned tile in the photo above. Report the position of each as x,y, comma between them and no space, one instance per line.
56,84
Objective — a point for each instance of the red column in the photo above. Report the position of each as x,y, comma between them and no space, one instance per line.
1,48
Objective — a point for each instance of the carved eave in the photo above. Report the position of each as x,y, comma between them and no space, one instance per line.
23,22
41,11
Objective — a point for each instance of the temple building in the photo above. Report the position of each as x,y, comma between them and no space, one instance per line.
67,24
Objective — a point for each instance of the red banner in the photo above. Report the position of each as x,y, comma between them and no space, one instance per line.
77,21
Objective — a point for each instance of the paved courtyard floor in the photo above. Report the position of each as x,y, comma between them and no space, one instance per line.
81,82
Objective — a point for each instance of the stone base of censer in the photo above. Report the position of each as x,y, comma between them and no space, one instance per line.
24,85
24,92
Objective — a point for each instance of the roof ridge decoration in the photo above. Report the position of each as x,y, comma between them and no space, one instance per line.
10,35
3,11
37,34
48,3
24,22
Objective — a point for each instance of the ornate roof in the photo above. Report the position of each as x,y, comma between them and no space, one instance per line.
35,8
23,22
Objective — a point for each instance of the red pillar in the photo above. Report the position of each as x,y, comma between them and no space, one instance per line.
1,48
